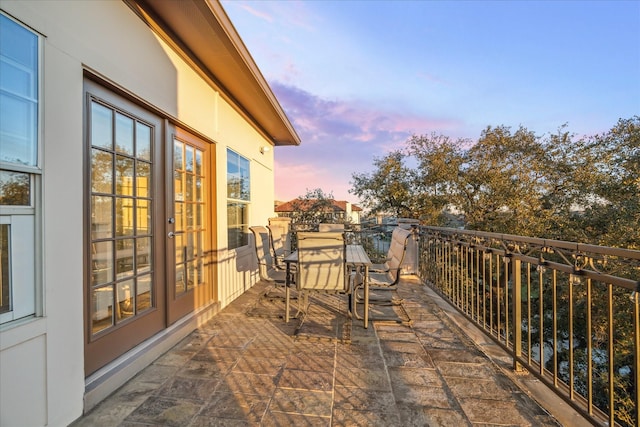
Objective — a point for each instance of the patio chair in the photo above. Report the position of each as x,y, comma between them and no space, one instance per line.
323,228
321,266
385,276
278,249
267,269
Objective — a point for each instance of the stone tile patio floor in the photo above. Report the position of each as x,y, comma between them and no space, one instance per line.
246,367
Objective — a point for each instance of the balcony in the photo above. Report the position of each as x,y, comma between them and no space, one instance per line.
462,348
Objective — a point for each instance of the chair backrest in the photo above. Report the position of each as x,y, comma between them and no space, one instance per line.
276,238
397,251
322,262
262,244
323,228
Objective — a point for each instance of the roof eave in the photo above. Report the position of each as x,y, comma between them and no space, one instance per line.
203,33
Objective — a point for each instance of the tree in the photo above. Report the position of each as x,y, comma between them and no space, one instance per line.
315,206
390,189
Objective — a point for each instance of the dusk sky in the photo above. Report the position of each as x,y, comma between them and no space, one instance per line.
358,78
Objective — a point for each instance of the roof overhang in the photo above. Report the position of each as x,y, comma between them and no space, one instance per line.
203,33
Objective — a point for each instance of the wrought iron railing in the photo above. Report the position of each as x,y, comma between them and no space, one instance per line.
567,312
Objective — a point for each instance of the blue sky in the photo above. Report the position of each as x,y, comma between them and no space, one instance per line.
358,78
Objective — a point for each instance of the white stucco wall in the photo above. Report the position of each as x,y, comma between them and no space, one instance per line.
42,359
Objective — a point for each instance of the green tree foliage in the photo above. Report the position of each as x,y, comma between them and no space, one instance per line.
390,189
552,186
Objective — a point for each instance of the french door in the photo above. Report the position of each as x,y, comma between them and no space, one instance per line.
149,223
189,218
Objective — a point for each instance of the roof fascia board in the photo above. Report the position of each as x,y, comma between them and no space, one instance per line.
145,11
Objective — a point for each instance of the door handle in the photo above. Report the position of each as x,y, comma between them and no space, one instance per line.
171,234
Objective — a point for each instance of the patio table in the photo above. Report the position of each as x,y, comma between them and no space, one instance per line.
357,259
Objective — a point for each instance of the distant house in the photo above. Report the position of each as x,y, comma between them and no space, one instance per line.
134,155
335,210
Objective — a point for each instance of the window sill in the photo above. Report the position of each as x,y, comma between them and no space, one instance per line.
22,330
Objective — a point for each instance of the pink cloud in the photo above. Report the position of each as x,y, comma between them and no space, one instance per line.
339,138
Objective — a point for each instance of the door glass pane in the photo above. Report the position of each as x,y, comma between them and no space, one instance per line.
126,305
143,141
178,178
101,126
143,179
179,216
189,188
124,216
143,255
124,258
124,134
143,219
143,293
102,263
198,168
102,308
178,147
101,217
188,159
101,171
124,176
180,248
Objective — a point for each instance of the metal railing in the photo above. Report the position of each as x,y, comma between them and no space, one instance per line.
567,312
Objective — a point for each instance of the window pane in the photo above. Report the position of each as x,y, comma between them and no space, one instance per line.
124,134
237,233
101,217
244,179
143,141
102,263
101,126
101,171
18,130
15,188
18,93
102,308
5,277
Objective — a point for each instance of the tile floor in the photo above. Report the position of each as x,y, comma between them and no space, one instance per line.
246,367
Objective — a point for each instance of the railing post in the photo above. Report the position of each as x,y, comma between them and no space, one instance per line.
636,336
517,314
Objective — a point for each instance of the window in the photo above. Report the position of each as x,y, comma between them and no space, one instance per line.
238,198
19,168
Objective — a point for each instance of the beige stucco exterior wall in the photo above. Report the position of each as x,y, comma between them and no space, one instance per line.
41,360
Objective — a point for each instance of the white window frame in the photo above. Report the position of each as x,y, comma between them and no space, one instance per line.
25,222
238,201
